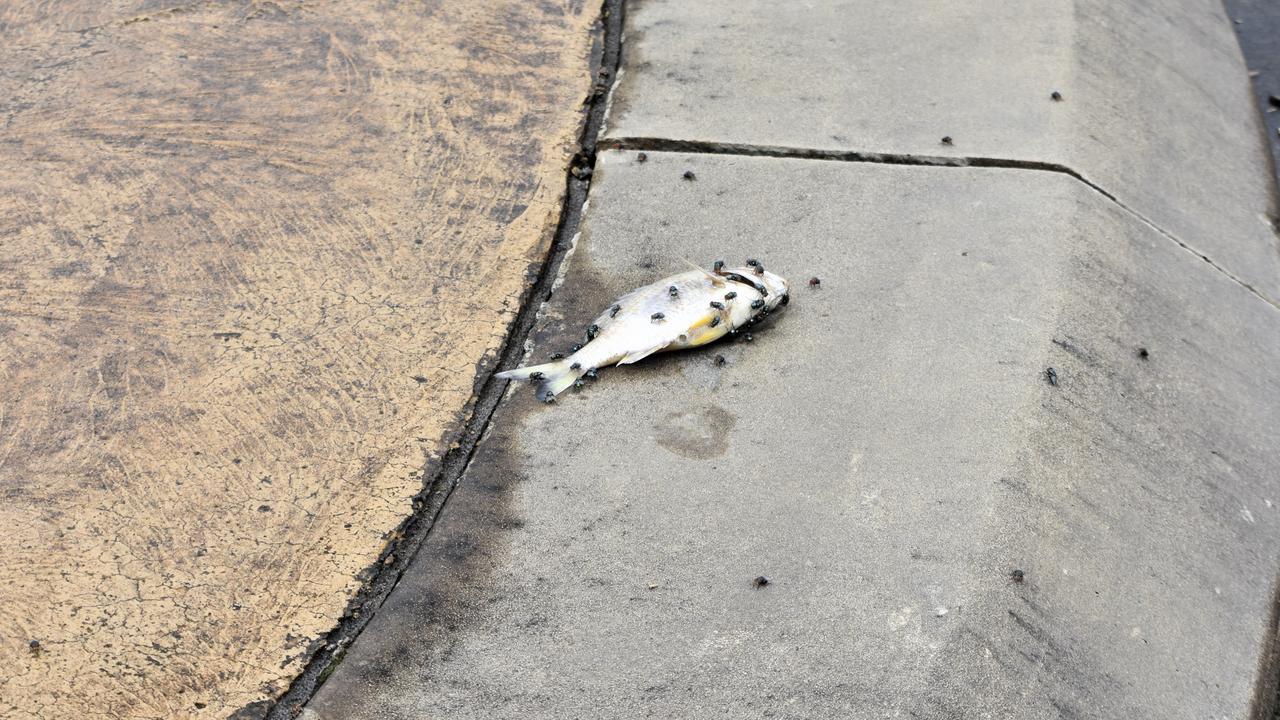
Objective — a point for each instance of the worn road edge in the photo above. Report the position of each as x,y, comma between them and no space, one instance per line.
439,482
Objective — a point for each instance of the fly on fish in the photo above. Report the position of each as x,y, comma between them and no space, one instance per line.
686,310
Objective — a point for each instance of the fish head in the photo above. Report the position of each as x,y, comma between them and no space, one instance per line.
777,289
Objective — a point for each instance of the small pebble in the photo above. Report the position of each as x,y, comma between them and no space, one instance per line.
641,157
1052,376
939,611
760,581
946,139
688,175
719,360
1144,353
653,586
1055,95
657,316
814,282
1017,576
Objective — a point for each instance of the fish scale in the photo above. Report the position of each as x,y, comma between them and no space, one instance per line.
673,313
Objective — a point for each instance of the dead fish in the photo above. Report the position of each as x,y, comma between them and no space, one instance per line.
706,306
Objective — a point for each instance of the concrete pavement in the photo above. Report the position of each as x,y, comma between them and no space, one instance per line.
1155,107
888,453
949,529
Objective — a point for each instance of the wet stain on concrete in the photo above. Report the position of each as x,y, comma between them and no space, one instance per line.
699,433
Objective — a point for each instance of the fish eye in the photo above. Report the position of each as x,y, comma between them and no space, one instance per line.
785,299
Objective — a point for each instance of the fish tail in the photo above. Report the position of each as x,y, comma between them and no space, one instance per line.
553,377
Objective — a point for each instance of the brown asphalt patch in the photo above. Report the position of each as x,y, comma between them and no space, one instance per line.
252,255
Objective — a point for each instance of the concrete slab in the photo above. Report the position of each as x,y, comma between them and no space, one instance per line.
1156,102
888,452
253,256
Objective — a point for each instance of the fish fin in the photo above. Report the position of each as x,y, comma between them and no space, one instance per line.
715,279
556,376
639,355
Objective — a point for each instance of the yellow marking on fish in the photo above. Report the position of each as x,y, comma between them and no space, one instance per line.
704,322
709,333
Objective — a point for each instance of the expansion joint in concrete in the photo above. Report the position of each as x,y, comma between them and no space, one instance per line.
648,144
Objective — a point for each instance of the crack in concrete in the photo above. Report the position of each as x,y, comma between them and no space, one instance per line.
382,578
702,147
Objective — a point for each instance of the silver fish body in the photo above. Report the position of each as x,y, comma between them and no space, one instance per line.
686,310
